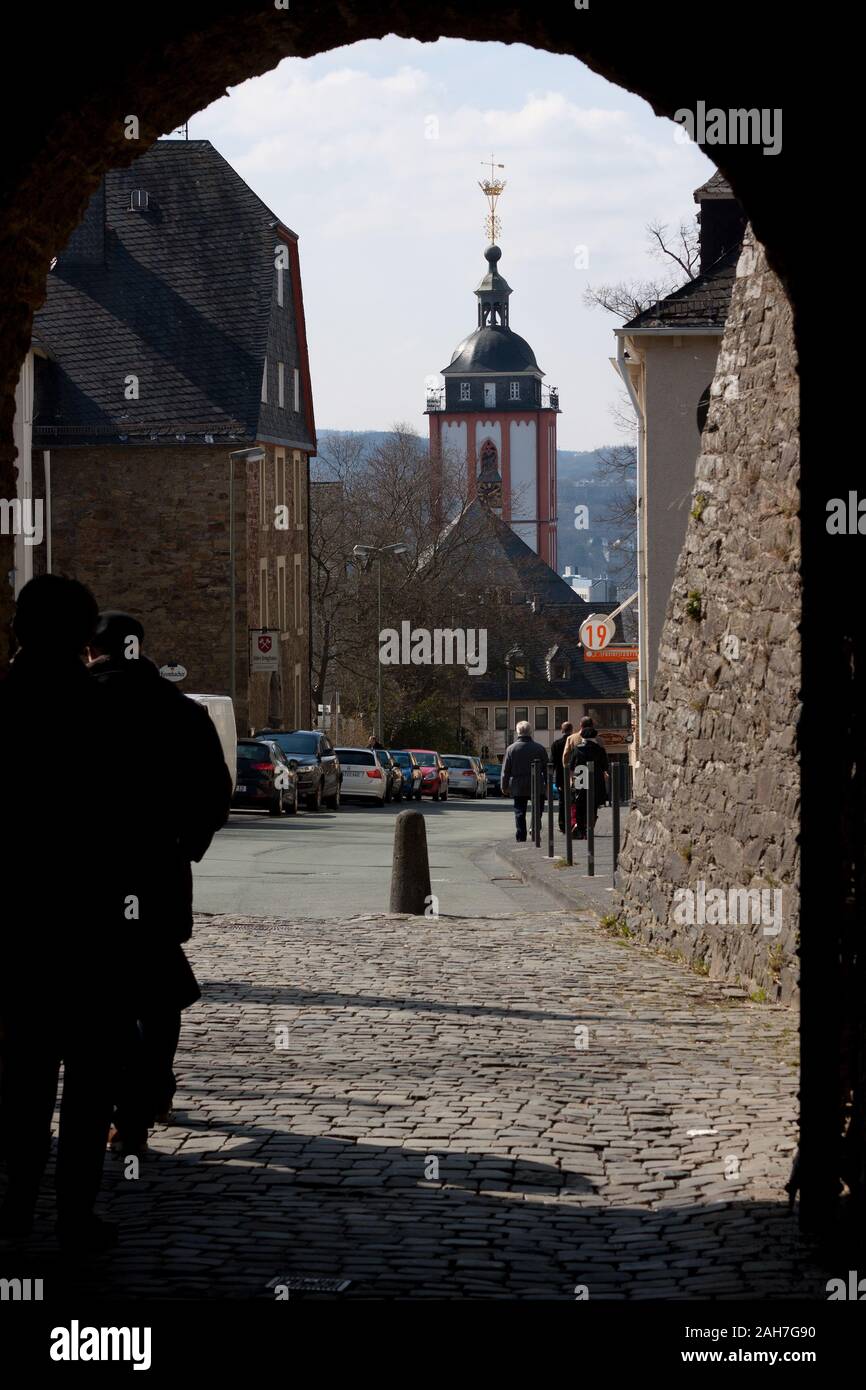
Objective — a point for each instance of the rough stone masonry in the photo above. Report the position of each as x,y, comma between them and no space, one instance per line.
717,790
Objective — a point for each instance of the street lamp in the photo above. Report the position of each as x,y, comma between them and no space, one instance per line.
243,456
368,555
513,658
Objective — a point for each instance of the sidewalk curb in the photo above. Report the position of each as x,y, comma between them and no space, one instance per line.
579,892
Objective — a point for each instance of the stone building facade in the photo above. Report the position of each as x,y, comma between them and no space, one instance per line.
718,786
174,338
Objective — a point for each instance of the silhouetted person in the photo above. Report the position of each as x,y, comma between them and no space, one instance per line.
179,793
61,798
556,750
517,774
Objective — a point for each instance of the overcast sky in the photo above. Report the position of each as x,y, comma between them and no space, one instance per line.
372,154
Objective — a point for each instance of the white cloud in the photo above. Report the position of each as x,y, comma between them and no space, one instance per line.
391,222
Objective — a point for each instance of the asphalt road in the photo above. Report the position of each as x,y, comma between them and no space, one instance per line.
338,863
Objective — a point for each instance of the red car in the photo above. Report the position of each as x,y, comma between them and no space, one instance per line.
434,773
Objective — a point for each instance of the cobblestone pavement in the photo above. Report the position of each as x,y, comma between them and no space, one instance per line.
648,1164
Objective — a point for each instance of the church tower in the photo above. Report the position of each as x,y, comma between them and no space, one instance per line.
494,412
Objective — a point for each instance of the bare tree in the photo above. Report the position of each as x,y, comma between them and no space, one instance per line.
627,299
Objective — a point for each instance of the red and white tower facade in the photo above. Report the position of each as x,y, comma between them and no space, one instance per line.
495,412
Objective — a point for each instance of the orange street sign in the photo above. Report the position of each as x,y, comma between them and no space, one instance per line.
611,654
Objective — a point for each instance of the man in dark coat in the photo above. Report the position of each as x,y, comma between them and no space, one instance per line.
170,824
517,774
556,751
60,808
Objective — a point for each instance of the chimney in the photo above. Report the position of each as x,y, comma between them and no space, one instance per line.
86,246
721,218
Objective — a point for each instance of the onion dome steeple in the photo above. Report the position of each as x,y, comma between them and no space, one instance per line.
493,294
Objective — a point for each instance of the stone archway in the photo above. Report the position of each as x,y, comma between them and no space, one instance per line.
174,59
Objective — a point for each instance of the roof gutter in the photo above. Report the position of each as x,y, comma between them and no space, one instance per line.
643,666
709,330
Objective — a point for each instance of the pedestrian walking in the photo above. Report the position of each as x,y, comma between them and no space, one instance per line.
60,1000
582,749
557,749
168,827
517,774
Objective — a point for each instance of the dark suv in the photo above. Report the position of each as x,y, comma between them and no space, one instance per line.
317,766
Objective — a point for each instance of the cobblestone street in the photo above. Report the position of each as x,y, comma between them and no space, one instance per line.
332,1066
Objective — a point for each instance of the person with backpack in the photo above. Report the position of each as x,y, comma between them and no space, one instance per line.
581,750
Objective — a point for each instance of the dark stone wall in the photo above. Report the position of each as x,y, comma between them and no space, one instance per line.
717,793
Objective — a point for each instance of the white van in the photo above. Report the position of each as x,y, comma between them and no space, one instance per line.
222,712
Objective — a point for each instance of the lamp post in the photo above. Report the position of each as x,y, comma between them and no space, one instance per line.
254,455
368,555
512,658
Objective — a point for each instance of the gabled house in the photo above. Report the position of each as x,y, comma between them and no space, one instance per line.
535,667
667,359
174,337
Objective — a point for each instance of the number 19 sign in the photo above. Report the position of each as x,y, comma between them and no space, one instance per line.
597,631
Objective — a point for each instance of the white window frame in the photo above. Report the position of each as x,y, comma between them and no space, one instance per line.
282,595
279,479
297,489
263,593
489,390
465,391
297,606
280,285
281,385
263,493
265,383
514,391
297,390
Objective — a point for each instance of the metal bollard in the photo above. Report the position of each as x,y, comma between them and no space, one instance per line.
534,799
550,810
590,818
566,809
614,794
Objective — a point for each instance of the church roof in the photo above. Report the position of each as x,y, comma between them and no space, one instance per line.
522,577
492,350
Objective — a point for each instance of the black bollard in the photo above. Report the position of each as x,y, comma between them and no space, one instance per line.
410,874
535,801
566,808
590,818
614,793
550,810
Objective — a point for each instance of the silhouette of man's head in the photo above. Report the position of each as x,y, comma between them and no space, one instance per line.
567,727
113,632
54,616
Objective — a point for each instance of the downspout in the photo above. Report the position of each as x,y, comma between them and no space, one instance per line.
643,666
46,466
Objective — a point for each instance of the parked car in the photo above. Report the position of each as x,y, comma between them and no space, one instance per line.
462,774
494,778
313,757
434,773
482,777
410,770
264,778
365,773
395,776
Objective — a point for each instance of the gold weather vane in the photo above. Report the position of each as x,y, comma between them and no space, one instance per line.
492,190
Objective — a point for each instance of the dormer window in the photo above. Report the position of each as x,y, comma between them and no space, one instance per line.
514,391
465,390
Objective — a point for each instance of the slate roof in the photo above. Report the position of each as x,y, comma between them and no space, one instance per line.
702,303
492,349
521,575
181,295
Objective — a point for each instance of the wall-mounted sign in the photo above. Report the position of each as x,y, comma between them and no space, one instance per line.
264,650
620,653
172,671
597,631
